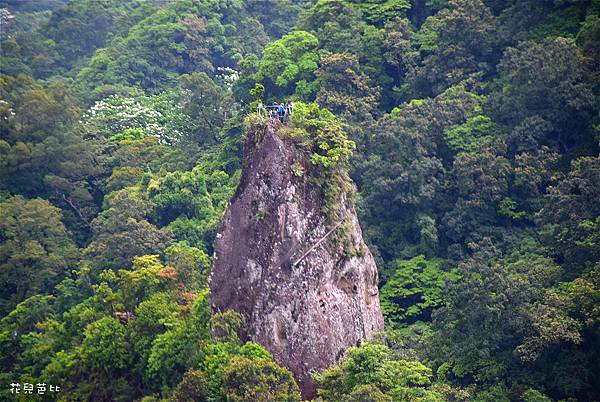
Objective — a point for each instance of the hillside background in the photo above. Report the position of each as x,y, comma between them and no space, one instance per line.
477,175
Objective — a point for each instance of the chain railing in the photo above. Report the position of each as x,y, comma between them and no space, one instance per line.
272,112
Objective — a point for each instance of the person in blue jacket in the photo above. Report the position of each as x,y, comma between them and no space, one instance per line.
281,112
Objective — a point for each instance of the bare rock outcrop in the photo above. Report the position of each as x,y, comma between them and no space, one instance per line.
279,262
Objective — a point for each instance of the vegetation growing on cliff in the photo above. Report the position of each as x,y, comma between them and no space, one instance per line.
476,125
325,150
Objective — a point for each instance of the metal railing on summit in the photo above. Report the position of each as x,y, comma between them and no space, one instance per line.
271,112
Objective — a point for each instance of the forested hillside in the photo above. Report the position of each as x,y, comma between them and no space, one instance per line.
475,126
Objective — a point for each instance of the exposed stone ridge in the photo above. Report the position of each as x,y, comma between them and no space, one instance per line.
307,312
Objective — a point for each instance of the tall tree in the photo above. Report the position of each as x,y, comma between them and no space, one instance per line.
36,250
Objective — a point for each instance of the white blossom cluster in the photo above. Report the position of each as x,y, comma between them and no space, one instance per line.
6,111
228,75
115,115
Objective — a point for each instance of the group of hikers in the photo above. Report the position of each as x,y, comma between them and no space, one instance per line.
278,111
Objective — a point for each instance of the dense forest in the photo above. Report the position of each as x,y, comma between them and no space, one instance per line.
475,130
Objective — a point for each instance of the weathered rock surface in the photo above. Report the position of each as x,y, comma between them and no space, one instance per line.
307,311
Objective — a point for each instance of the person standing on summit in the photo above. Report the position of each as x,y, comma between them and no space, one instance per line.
281,112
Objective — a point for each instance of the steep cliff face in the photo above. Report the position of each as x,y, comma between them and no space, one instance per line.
280,262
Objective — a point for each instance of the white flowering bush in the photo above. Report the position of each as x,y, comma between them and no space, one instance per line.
228,76
6,111
119,118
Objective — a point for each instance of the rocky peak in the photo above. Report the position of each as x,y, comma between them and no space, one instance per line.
305,282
